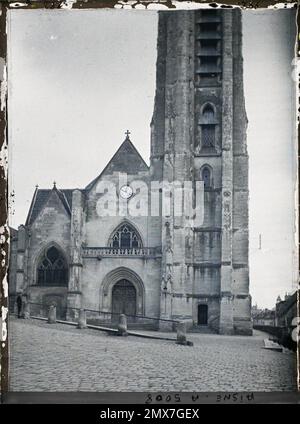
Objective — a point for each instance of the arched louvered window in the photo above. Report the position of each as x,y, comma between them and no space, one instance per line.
125,237
206,177
52,269
209,114
208,128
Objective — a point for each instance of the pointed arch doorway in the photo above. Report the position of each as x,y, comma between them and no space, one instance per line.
122,290
124,299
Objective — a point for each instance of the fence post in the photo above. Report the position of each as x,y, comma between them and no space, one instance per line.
52,315
181,333
122,325
27,310
81,319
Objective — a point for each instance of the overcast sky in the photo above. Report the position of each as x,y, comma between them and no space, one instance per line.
79,79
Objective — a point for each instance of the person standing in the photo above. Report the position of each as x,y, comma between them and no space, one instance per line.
19,305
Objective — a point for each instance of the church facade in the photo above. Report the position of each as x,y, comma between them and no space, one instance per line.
83,248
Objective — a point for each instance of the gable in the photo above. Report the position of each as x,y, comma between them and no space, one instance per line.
42,197
126,160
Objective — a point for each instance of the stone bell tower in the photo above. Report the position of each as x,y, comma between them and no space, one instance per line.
199,134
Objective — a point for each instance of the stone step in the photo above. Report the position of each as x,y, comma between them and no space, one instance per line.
269,344
203,329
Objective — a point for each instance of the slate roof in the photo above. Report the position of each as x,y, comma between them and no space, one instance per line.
126,159
13,233
40,197
264,314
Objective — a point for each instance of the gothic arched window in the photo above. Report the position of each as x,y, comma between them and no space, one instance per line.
125,237
52,269
206,177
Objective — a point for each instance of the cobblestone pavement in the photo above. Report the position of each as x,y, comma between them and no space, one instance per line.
56,357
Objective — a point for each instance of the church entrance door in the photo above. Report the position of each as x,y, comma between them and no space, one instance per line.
124,300
202,314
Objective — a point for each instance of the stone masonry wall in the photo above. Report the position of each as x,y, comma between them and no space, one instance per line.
52,225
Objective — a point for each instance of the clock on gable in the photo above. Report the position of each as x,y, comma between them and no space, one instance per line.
126,191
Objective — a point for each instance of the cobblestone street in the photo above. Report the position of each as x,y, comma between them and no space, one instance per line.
56,357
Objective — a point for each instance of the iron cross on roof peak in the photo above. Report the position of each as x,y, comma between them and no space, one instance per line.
127,133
